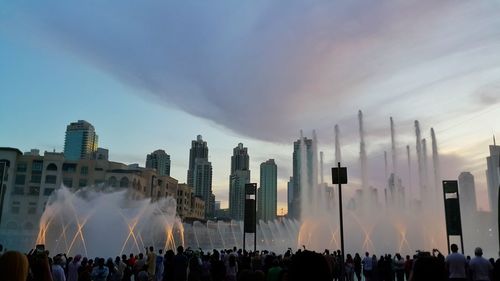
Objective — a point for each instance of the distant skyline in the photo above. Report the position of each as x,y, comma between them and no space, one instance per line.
154,75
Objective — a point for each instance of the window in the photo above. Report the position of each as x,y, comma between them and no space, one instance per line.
48,191
69,167
50,179
14,209
124,182
68,182
98,169
37,166
21,179
52,167
21,167
36,178
84,170
31,210
18,190
82,183
34,190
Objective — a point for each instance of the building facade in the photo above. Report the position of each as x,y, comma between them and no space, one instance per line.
81,141
302,173
268,191
30,178
467,191
160,161
240,175
493,176
199,174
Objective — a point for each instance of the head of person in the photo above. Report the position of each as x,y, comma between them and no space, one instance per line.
478,252
141,256
454,248
151,249
180,250
160,251
367,254
14,266
308,265
124,257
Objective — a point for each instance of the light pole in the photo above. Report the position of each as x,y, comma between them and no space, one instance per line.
339,176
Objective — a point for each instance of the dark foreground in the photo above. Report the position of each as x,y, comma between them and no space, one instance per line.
236,264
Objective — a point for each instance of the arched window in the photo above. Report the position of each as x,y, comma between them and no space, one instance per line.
112,181
51,167
124,182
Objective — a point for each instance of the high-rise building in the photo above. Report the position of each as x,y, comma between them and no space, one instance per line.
305,147
202,184
199,149
240,175
467,191
493,176
80,141
199,174
160,161
268,190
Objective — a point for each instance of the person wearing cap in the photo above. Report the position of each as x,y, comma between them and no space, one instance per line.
480,268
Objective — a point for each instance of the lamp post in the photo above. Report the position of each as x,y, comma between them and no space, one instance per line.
339,176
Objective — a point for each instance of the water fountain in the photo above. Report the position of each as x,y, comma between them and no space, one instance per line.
403,221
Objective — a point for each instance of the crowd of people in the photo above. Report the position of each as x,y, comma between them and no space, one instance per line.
237,264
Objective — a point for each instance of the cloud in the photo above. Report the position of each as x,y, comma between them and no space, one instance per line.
489,94
266,69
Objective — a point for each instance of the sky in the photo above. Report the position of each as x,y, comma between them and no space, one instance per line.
154,74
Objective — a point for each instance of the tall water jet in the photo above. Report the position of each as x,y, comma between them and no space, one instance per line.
419,157
314,182
425,164
385,165
321,167
435,164
408,155
362,152
393,147
338,153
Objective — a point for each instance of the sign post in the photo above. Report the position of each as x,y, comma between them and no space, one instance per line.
250,222
339,176
452,212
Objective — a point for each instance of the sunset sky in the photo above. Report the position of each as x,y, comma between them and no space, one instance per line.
154,74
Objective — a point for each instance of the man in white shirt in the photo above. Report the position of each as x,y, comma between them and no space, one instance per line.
456,264
480,268
367,266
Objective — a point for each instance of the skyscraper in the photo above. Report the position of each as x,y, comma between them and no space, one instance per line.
467,191
199,149
300,166
80,141
240,175
199,175
267,195
493,176
160,161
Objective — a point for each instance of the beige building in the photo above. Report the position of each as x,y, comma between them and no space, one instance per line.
30,178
